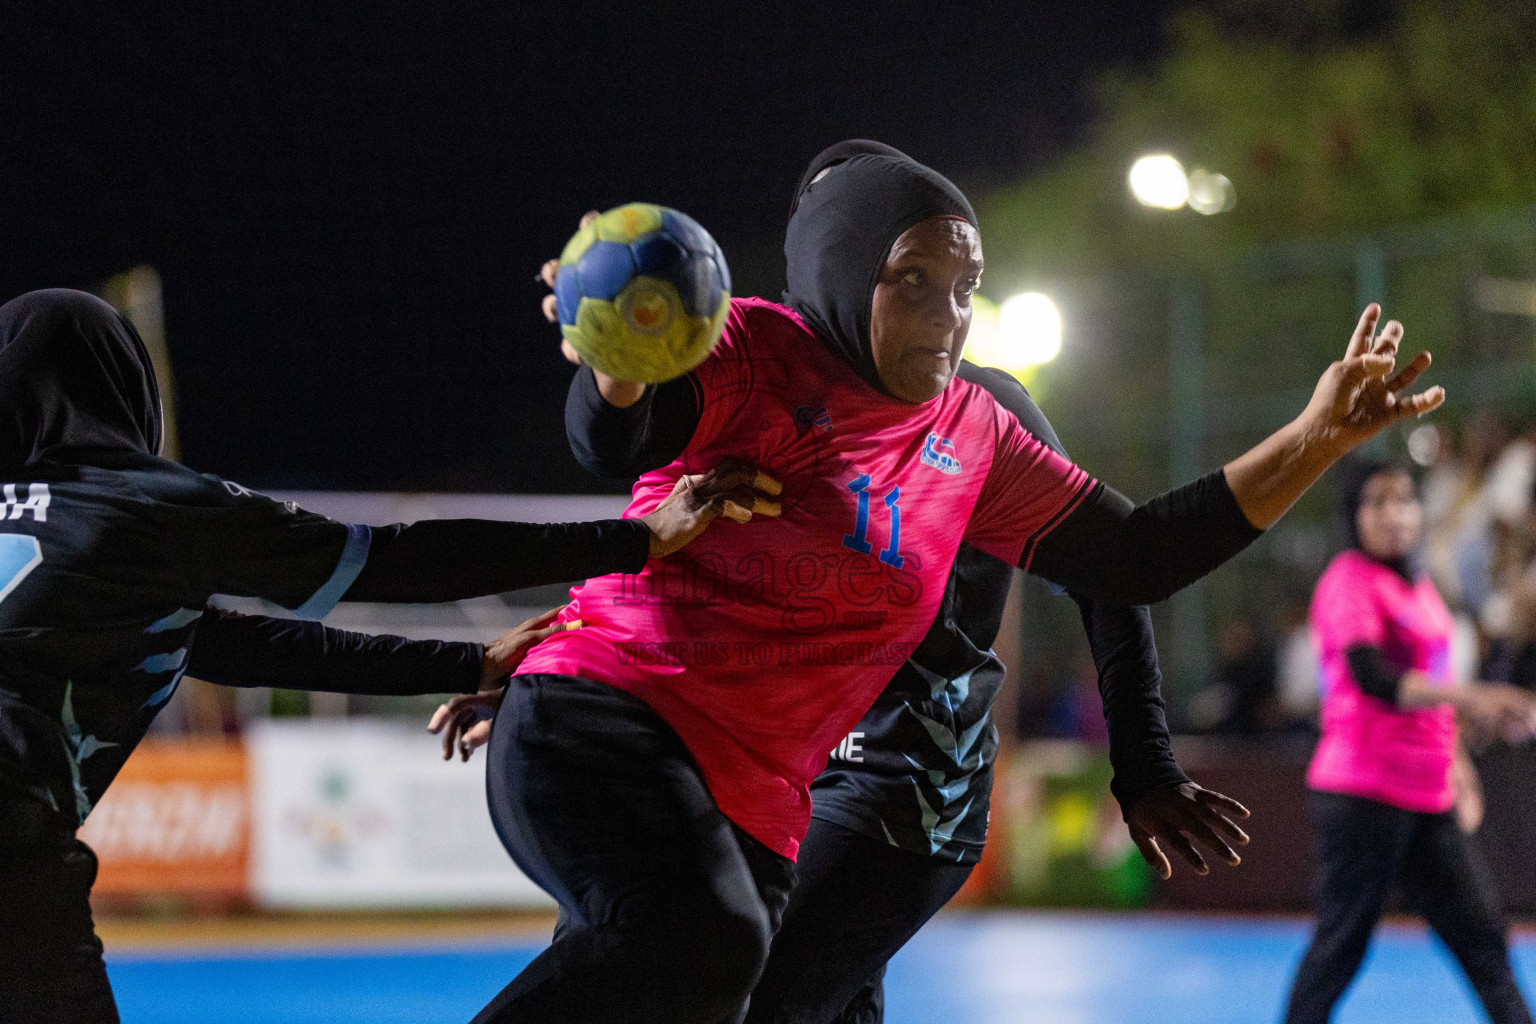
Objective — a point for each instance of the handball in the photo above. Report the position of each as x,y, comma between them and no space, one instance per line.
642,293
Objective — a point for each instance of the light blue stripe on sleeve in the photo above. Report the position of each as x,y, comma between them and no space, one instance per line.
157,663
176,620
353,556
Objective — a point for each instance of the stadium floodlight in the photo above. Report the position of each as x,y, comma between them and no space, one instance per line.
1017,336
1029,329
1158,180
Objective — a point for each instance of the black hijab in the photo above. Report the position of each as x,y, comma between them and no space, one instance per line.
842,225
1356,474
75,380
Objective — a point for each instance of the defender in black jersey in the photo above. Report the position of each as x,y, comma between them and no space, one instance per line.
108,557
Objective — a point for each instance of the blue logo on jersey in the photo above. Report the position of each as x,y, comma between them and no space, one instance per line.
19,555
945,462
808,416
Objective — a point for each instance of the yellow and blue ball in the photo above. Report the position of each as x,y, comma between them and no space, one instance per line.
642,292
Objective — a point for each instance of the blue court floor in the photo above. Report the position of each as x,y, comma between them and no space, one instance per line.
986,968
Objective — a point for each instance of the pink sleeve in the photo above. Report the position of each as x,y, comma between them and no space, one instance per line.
1029,490
725,378
1344,610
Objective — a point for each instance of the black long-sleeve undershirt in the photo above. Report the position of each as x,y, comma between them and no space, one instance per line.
456,559
1120,639
298,654
1112,549
1374,674
620,444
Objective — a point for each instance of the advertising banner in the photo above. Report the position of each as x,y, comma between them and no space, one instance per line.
365,813
177,819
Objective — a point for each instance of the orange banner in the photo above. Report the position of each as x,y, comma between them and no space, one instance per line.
176,820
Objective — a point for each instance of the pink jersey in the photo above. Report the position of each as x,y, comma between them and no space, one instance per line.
762,644
1370,748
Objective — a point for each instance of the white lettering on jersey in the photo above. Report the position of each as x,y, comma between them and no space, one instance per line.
850,749
35,502
236,490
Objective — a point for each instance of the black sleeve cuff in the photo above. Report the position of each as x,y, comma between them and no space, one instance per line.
476,658
636,548
1130,785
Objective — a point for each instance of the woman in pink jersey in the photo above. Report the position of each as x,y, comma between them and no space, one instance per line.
652,769
1382,777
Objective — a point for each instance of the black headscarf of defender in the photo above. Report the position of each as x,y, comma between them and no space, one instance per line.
853,201
72,390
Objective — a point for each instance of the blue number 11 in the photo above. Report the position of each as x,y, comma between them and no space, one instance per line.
858,539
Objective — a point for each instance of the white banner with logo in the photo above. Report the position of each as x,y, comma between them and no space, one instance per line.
366,813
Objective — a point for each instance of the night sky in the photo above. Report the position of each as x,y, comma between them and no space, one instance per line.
347,202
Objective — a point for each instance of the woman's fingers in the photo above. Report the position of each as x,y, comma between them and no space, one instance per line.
439,717
1388,341
1421,403
545,618
1211,798
550,271
1361,368
451,735
1200,829
1186,849
537,636
478,735
1152,854
1360,341
551,307
732,510
1225,826
754,501
589,217
1410,373
741,505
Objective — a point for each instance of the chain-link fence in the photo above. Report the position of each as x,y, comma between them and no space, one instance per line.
1168,374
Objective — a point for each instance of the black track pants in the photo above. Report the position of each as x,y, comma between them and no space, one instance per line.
1368,847
857,902
669,907
51,971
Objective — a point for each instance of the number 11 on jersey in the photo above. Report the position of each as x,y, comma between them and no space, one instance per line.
858,540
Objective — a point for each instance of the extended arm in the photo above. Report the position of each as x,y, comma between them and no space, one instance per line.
1497,709
1120,638
453,559
253,546
1130,684
296,654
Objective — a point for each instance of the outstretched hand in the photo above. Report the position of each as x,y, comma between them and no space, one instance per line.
1498,712
1358,396
731,489
1179,816
465,721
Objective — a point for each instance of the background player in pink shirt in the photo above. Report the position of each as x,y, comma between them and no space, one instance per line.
1382,775
652,769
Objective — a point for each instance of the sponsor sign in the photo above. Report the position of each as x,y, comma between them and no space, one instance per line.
176,819
365,813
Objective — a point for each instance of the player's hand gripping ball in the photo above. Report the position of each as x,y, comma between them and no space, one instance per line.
642,293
